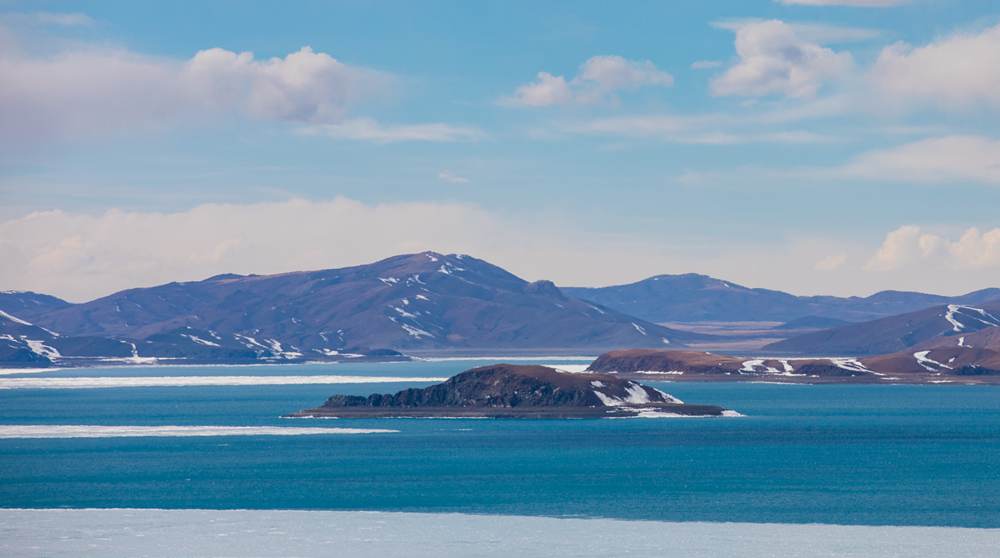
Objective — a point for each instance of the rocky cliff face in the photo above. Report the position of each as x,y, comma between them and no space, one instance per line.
510,390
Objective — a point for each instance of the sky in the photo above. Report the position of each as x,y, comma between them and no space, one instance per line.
815,146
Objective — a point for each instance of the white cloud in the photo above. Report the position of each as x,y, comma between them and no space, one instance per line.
910,246
304,86
849,3
446,175
957,72
778,58
934,160
88,92
367,129
62,19
599,78
546,90
706,64
81,256
705,129
97,91
830,263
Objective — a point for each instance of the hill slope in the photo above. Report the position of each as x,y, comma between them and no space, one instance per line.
410,302
692,297
894,333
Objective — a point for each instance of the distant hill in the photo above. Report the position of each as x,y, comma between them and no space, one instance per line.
692,297
972,357
811,322
28,305
894,333
422,301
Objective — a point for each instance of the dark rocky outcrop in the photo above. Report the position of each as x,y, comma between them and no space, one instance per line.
505,390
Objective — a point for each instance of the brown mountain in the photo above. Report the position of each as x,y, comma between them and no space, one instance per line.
894,333
426,301
974,357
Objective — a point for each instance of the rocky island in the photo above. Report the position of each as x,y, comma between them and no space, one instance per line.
517,391
971,359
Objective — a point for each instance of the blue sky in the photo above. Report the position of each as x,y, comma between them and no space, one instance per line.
815,148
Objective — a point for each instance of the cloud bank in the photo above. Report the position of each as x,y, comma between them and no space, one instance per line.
911,247
778,58
91,92
599,78
82,256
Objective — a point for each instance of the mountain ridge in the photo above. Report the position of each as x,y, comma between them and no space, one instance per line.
410,302
692,297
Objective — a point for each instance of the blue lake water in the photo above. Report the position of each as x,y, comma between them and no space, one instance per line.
855,454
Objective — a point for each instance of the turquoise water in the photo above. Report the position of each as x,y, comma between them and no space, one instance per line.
879,455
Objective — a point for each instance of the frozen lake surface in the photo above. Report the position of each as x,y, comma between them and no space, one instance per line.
244,533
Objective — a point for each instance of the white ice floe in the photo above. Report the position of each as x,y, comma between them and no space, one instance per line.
928,363
9,431
510,358
639,328
654,413
196,381
665,340
157,533
421,297
135,358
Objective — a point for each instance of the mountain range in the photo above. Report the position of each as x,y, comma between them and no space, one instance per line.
425,301
894,333
693,298
431,303
970,357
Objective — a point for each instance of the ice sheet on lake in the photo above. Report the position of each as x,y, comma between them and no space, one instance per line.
9,431
162,533
194,381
